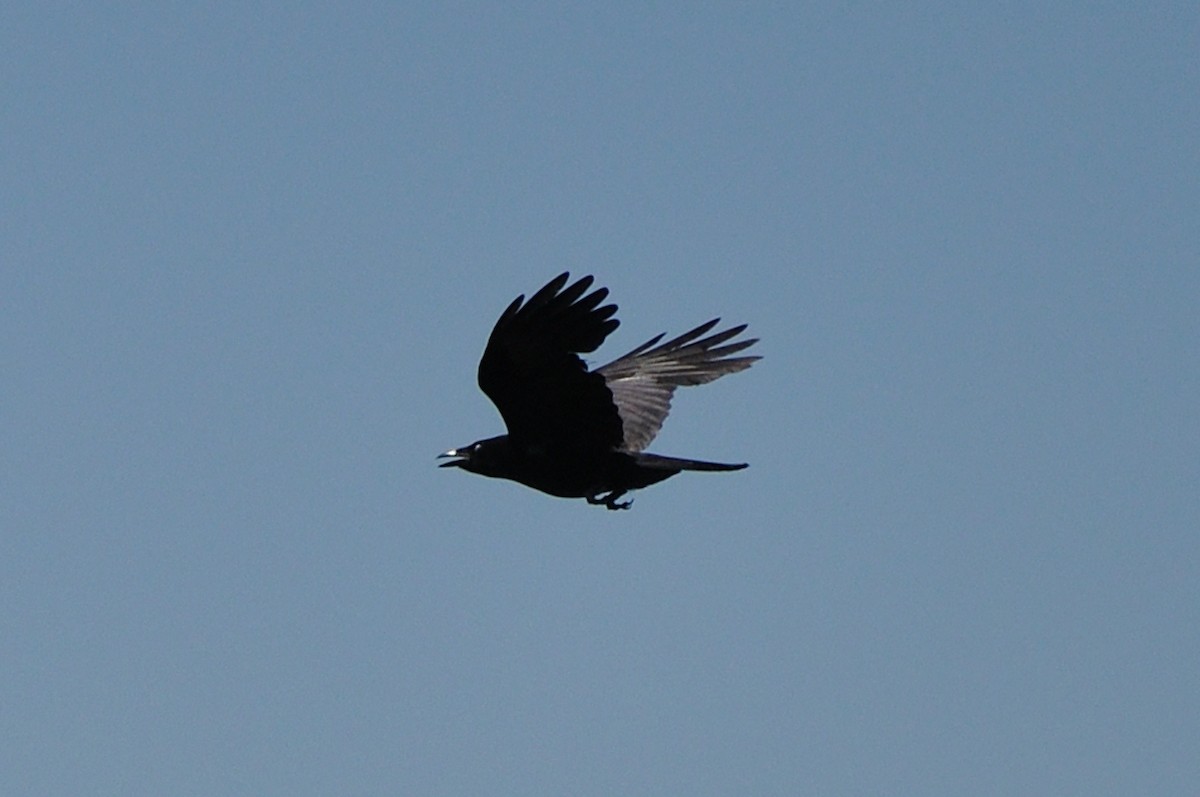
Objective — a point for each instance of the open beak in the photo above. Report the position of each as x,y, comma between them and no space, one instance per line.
458,461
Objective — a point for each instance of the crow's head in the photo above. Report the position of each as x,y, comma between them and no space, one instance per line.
485,457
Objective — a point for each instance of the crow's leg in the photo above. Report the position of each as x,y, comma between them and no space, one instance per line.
610,500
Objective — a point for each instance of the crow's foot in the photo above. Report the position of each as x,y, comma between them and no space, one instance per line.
610,500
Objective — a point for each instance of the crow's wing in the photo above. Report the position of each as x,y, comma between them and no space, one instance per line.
643,381
532,371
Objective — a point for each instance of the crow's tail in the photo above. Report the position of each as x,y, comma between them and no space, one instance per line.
675,463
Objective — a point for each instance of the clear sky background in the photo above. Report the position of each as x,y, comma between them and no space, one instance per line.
250,256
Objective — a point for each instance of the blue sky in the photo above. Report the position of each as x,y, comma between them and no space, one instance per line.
252,254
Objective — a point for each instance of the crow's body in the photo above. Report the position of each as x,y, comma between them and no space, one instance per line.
576,433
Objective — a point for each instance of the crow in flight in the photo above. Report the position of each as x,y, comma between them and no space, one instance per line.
577,433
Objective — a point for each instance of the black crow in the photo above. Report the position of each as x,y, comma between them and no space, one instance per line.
577,433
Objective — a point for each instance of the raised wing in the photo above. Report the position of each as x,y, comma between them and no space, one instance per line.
643,381
532,371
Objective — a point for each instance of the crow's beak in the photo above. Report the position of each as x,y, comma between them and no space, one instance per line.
452,453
